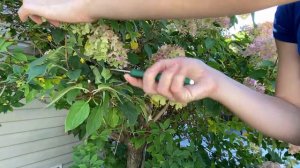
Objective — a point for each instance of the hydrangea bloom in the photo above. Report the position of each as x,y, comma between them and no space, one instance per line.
294,149
168,51
193,26
103,44
254,84
263,43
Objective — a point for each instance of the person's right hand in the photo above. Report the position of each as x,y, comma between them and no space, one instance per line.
55,11
171,83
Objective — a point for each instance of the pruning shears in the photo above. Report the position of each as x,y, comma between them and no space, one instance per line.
140,74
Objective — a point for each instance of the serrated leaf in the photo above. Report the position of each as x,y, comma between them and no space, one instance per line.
209,43
148,50
38,61
4,45
71,95
36,71
97,74
78,113
130,111
60,94
106,74
20,56
133,58
95,120
74,75
58,35
112,118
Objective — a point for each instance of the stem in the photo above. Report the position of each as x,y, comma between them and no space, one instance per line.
2,91
118,141
66,52
158,116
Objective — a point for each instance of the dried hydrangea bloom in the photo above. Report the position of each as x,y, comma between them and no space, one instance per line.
254,84
167,52
194,26
294,149
104,44
263,43
270,165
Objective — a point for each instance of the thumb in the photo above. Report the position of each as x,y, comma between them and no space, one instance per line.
134,81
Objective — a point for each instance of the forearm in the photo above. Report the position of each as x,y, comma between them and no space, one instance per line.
158,9
273,116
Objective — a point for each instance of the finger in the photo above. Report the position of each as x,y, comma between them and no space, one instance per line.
23,14
134,81
36,19
165,82
196,92
54,23
149,83
179,92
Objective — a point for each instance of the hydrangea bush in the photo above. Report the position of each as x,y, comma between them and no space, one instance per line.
121,126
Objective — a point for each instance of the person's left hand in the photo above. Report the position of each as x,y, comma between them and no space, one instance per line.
55,11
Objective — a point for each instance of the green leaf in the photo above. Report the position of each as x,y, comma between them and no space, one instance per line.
130,111
105,135
71,95
97,74
17,69
138,142
95,120
106,74
38,61
74,75
4,45
63,92
112,118
148,50
209,43
36,71
78,113
58,35
20,56
166,124
133,58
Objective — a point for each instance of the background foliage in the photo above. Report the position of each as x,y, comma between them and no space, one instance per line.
120,125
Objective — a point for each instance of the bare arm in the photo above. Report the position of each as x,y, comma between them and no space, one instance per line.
157,9
277,116
89,10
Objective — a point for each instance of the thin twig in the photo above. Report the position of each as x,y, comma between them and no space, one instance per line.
158,116
2,91
118,141
144,156
66,52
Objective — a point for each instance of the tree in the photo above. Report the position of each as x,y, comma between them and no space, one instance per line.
119,125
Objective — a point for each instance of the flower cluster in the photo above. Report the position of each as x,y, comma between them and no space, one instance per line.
224,22
270,165
263,44
294,149
193,26
254,84
168,51
103,44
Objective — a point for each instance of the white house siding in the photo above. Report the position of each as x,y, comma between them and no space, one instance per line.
34,137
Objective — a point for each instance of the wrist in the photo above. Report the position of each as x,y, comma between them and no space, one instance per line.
220,83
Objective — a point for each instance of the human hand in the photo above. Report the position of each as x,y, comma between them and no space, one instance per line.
171,84
55,11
